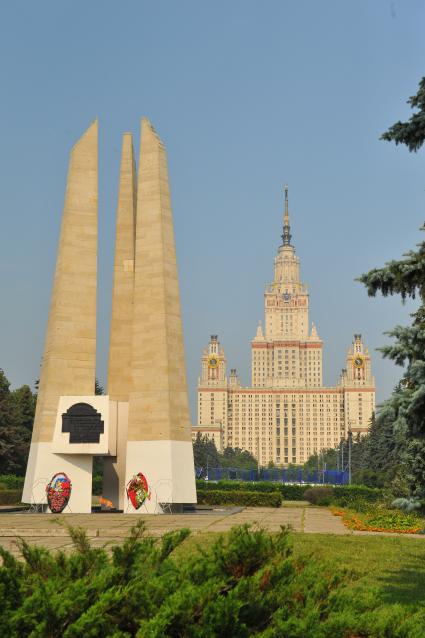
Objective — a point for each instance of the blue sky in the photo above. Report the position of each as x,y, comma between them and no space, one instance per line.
246,96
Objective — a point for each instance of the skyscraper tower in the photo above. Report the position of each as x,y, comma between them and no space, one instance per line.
287,413
286,303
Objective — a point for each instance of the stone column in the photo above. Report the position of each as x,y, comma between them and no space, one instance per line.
120,344
159,433
69,360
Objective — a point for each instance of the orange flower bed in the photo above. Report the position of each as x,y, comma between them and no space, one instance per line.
393,522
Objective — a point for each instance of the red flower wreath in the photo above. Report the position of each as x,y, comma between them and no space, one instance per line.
58,492
138,490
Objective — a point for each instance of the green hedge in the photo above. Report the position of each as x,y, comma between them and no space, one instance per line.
319,495
293,492
343,494
244,486
288,492
357,497
11,482
10,497
239,497
347,495
371,494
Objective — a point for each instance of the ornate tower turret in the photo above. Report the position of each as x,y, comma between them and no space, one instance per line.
213,364
358,369
286,354
359,388
286,298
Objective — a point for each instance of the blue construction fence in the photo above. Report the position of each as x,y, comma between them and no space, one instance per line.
292,475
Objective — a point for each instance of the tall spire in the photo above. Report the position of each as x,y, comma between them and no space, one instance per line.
159,407
69,360
286,236
119,372
159,431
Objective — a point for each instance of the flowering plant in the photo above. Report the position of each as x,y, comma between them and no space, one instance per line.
138,490
58,492
381,521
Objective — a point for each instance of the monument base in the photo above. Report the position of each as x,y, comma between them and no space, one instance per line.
169,471
43,464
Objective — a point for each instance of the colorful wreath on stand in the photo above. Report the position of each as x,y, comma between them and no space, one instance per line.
58,492
138,490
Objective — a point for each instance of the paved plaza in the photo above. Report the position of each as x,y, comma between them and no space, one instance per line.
43,529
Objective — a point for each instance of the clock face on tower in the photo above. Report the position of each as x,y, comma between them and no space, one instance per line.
212,362
286,297
358,362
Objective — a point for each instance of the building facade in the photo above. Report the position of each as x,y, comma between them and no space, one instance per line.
286,414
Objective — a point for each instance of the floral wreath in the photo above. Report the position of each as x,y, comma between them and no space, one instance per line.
138,490
58,492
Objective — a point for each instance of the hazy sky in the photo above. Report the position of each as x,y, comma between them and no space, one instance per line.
246,96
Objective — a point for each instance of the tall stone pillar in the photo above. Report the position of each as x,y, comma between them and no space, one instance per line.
69,360
120,344
159,434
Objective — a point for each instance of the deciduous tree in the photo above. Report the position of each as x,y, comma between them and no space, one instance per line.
16,417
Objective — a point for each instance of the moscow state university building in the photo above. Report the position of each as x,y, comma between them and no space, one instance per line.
286,414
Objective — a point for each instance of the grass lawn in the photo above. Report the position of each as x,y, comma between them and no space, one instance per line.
391,568
395,565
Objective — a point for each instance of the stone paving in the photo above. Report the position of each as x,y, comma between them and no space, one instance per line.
43,529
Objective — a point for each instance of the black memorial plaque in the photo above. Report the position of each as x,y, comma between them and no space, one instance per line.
83,423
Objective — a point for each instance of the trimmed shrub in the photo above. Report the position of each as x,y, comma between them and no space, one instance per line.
355,496
293,492
242,486
371,494
10,497
239,497
289,492
11,482
319,495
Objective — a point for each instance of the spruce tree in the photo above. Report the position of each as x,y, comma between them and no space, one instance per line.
411,133
404,411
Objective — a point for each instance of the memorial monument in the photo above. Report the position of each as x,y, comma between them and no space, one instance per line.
142,427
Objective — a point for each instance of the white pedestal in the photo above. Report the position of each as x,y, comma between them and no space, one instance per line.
43,464
169,470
